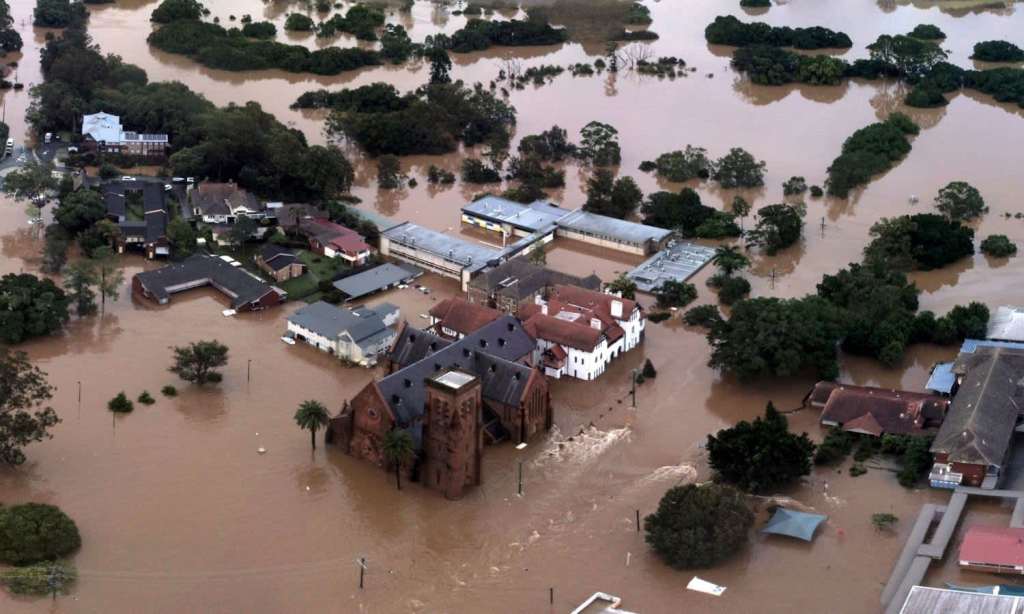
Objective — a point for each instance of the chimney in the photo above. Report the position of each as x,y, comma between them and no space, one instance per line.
595,323
544,308
617,309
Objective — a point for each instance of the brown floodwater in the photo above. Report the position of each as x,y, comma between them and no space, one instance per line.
178,512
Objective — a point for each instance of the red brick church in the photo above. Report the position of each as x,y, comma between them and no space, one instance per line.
452,398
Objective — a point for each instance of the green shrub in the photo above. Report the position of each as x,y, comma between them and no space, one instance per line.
34,532
298,22
699,526
40,579
884,522
169,391
816,191
649,371
260,29
794,186
733,289
857,470
120,404
998,246
866,448
835,447
659,316
675,294
702,315
997,51
927,32
145,398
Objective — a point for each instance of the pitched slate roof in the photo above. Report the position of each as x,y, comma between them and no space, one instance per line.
519,278
213,198
491,353
326,320
277,257
463,317
982,416
237,284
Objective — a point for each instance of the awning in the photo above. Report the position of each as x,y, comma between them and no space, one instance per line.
794,524
942,378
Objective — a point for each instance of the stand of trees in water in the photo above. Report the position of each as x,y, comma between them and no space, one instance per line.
241,143
249,48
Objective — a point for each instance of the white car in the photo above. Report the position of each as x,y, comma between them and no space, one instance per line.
72,149
288,340
127,178
178,180
190,180
168,187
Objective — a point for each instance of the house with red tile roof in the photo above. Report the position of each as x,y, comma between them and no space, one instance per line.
580,331
454,318
876,411
993,549
329,239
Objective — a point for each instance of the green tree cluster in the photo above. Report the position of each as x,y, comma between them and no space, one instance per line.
432,120
923,241
59,14
623,286
928,32
911,57
35,532
259,29
599,145
699,525
25,413
478,35
998,246
297,22
173,10
10,40
120,404
30,307
869,151
613,197
738,169
691,163
997,51
778,227
361,20
675,294
728,30
198,362
760,456
702,315
959,201
685,213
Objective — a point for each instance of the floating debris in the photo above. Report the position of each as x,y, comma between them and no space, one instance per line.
703,586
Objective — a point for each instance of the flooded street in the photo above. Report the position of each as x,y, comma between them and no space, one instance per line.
178,511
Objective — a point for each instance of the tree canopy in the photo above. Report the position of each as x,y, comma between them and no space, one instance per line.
760,456
173,10
739,169
599,144
959,201
685,213
778,337
778,227
869,151
58,13
912,57
197,362
728,30
34,532
923,241
612,197
699,525
997,51
25,413
30,307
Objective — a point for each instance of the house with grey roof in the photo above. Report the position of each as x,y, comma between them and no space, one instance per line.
142,213
357,335
378,279
974,443
223,203
245,291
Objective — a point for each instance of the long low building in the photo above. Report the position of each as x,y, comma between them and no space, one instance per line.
378,279
511,218
613,233
246,291
437,252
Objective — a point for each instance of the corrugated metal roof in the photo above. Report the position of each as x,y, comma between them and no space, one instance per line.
931,600
993,546
532,217
602,226
1007,324
375,279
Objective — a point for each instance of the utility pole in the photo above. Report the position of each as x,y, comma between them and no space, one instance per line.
638,521
823,226
361,562
248,371
79,399
773,278
520,492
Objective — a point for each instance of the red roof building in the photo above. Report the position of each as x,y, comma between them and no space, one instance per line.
329,239
454,318
580,331
877,411
993,549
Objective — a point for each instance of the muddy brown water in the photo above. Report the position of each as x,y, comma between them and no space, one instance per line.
179,512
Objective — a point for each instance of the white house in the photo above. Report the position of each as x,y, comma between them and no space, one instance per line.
580,331
358,335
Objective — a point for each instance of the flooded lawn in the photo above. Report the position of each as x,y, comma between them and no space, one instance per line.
179,512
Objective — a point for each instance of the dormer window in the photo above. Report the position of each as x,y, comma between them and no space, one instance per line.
396,400
483,343
501,341
408,383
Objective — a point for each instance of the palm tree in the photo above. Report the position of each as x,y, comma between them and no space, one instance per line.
729,259
398,449
311,415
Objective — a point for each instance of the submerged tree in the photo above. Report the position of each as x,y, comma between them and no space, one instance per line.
25,414
197,362
79,278
109,276
399,449
624,286
762,455
960,201
312,416
699,525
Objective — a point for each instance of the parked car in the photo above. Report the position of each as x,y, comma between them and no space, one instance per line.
48,137
168,187
190,180
177,180
72,149
127,178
